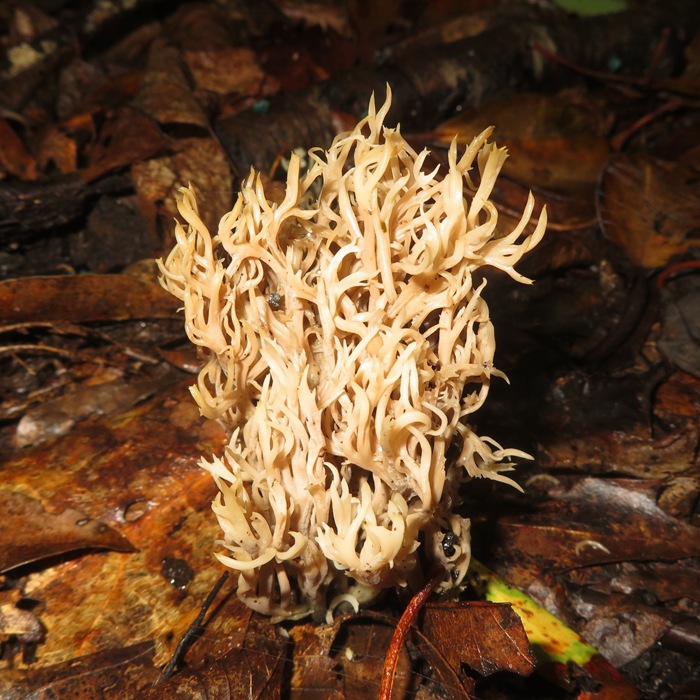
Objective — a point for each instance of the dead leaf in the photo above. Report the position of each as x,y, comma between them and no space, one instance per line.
488,637
16,621
649,208
666,582
232,70
680,336
449,680
14,157
598,424
314,674
622,629
677,399
82,298
621,449
113,674
165,94
254,671
552,143
147,453
57,416
29,533
362,644
199,161
128,136
58,148
116,236
591,522
136,472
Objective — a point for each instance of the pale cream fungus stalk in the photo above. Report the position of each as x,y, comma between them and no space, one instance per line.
338,330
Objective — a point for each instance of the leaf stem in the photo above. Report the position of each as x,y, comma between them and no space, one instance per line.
397,640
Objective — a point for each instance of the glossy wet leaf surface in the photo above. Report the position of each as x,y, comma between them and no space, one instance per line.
107,533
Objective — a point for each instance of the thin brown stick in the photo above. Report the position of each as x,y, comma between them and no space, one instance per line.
397,640
600,75
618,141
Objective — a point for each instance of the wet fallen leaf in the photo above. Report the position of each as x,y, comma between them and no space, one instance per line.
589,522
137,473
314,673
680,337
649,208
255,671
111,674
225,71
82,298
665,582
128,135
17,622
15,159
631,451
488,637
364,642
57,416
30,533
552,143
562,654
622,629
59,149
199,161
165,94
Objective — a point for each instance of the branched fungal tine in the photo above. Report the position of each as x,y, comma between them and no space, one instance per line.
338,330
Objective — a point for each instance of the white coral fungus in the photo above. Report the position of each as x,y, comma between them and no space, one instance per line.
344,345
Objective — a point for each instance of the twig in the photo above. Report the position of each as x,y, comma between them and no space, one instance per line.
193,629
673,270
399,636
600,75
618,141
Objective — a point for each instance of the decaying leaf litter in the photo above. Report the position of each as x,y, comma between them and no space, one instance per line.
101,441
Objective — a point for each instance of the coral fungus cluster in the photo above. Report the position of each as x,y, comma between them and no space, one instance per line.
344,345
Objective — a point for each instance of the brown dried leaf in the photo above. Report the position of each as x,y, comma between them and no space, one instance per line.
225,71
254,671
314,675
128,136
649,208
346,659
621,450
165,93
621,628
594,521
112,674
201,162
666,582
599,424
552,143
138,473
82,298
14,157
30,533
365,643
680,336
56,416
488,637
148,453
17,621
57,147
678,398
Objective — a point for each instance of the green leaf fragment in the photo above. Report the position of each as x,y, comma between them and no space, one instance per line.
551,639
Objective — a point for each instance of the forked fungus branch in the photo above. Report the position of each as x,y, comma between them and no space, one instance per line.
344,346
